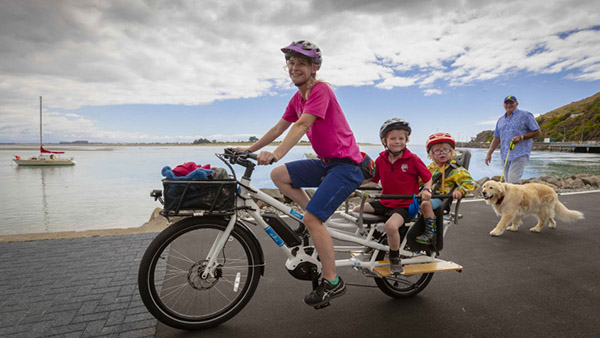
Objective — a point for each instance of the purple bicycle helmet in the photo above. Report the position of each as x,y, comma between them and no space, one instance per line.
305,48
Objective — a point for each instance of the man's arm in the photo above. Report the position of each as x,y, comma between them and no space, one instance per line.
527,136
493,146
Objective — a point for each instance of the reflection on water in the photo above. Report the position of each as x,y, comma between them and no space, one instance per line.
44,202
109,188
35,194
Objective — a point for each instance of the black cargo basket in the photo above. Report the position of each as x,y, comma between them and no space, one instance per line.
207,196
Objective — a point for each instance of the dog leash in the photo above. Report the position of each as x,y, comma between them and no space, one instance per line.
510,147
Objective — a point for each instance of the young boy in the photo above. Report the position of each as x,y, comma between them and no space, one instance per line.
440,148
399,171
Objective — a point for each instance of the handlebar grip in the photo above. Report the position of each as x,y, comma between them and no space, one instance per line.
237,155
254,156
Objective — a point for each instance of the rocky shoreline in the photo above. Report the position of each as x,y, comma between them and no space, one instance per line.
537,146
580,182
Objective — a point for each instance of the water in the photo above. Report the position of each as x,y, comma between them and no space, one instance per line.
109,186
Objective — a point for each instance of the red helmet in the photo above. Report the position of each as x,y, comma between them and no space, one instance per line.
440,138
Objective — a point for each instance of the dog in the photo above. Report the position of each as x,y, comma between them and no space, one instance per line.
512,202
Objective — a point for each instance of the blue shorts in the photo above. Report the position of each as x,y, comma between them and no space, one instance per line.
336,181
435,203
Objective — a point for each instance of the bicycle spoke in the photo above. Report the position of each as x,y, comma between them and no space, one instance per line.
180,288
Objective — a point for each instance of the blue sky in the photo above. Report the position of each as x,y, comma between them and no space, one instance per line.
174,71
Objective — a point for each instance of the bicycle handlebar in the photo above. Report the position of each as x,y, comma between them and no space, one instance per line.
406,197
240,157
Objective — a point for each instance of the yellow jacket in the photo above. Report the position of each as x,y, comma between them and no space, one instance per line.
458,177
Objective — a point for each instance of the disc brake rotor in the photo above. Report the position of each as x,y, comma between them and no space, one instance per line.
195,276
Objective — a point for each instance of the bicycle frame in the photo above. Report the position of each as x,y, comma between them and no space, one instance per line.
202,270
339,229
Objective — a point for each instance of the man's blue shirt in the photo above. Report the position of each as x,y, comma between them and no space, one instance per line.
520,122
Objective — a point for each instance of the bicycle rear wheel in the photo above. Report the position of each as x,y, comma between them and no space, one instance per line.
170,274
401,286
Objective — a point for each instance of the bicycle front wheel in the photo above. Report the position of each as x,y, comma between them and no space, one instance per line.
170,275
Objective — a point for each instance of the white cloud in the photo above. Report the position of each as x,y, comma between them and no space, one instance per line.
396,81
432,91
195,52
487,123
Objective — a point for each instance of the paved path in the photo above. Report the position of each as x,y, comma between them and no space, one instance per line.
518,285
83,287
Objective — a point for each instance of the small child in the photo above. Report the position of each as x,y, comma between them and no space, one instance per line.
440,148
399,171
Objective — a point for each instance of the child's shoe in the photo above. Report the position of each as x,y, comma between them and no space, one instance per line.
396,266
429,236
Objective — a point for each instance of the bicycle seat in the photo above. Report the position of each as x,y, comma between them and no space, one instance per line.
369,218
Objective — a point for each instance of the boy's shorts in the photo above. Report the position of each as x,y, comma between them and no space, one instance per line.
381,209
336,181
435,203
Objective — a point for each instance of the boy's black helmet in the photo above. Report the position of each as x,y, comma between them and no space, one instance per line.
392,124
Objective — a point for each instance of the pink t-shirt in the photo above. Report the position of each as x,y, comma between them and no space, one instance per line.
330,134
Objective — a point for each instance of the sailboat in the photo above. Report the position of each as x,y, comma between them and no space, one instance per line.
46,157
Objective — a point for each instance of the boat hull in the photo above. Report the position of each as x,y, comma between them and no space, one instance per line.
46,162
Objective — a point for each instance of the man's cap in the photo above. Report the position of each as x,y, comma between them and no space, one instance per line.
511,98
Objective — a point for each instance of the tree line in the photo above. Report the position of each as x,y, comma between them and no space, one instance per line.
202,140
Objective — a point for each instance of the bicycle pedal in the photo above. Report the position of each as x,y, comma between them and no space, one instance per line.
321,306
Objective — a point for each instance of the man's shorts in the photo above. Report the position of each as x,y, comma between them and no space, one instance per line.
381,209
335,182
515,168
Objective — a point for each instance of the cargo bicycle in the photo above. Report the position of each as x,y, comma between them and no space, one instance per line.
205,267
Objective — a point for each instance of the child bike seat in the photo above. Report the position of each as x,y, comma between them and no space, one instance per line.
369,218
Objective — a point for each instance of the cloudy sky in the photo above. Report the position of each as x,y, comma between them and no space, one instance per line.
175,71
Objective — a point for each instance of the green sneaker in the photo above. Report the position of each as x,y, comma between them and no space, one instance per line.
325,292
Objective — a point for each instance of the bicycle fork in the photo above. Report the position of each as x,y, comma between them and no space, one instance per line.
216,248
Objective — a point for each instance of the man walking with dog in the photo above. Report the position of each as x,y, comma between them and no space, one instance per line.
518,127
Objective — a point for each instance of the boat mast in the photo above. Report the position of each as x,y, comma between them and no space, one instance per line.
40,124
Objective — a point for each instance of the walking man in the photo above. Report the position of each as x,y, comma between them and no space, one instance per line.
520,127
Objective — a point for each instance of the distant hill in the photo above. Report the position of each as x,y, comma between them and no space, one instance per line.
75,142
565,124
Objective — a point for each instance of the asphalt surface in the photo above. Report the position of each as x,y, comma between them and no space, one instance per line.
521,284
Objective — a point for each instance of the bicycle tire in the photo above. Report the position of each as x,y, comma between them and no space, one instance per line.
169,275
401,286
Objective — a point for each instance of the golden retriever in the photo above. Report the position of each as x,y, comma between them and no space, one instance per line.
513,202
